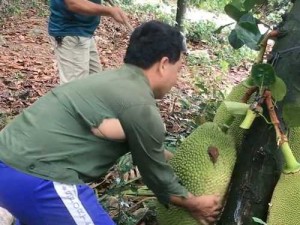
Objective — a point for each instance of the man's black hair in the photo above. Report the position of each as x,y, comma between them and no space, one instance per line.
152,41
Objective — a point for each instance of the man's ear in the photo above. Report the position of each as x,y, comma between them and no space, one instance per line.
163,64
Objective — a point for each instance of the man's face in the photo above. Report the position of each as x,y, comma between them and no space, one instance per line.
170,72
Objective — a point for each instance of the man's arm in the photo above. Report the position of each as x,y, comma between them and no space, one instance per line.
168,155
86,7
205,209
144,132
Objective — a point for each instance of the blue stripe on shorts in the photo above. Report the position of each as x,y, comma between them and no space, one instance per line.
35,201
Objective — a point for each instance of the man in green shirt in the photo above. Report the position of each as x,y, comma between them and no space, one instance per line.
77,131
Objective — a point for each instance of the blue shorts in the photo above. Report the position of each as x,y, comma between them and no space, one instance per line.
35,201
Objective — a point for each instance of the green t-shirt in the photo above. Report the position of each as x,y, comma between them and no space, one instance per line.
52,139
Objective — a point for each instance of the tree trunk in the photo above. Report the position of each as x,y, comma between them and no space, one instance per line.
259,160
181,10
256,172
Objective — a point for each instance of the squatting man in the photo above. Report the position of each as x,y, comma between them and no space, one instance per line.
74,134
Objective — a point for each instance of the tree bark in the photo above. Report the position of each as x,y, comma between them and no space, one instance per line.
259,161
255,174
180,14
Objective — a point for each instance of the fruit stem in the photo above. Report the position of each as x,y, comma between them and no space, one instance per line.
292,166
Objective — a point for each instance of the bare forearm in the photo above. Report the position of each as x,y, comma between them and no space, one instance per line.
168,155
86,7
182,202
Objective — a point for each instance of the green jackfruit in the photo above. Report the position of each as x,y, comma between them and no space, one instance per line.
294,141
284,207
223,117
282,211
204,163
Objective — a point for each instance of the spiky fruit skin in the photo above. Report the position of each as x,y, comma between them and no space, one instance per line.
284,207
223,116
294,141
197,170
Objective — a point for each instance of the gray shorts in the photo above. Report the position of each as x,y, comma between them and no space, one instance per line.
77,57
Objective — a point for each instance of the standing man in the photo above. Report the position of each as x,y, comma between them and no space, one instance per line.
76,132
72,24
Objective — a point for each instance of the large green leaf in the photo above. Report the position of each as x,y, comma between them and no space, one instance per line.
247,31
236,108
263,74
291,115
238,4
233,12
249,4
248,20
234,41
278,89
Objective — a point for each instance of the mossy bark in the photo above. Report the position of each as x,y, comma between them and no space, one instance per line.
259,160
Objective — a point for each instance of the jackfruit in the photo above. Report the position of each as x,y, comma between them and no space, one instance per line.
223,117
287,189
204,163
294,140
283,209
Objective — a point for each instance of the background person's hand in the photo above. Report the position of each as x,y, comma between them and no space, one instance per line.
205,209
118,14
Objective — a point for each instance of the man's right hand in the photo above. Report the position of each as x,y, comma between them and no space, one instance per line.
118,14
205,209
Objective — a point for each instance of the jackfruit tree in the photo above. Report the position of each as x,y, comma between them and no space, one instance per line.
265,182
255,133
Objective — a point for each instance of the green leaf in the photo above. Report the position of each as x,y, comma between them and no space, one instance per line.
246,19
249,4
249,82
249,38
278,89
233,12
236,108
263,74
291,115
247,31
234,41
257,220
238,4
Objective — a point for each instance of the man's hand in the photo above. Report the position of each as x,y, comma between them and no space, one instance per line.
205,209
118,14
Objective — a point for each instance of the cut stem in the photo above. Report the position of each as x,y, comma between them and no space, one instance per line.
248,121
244,99
291,166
